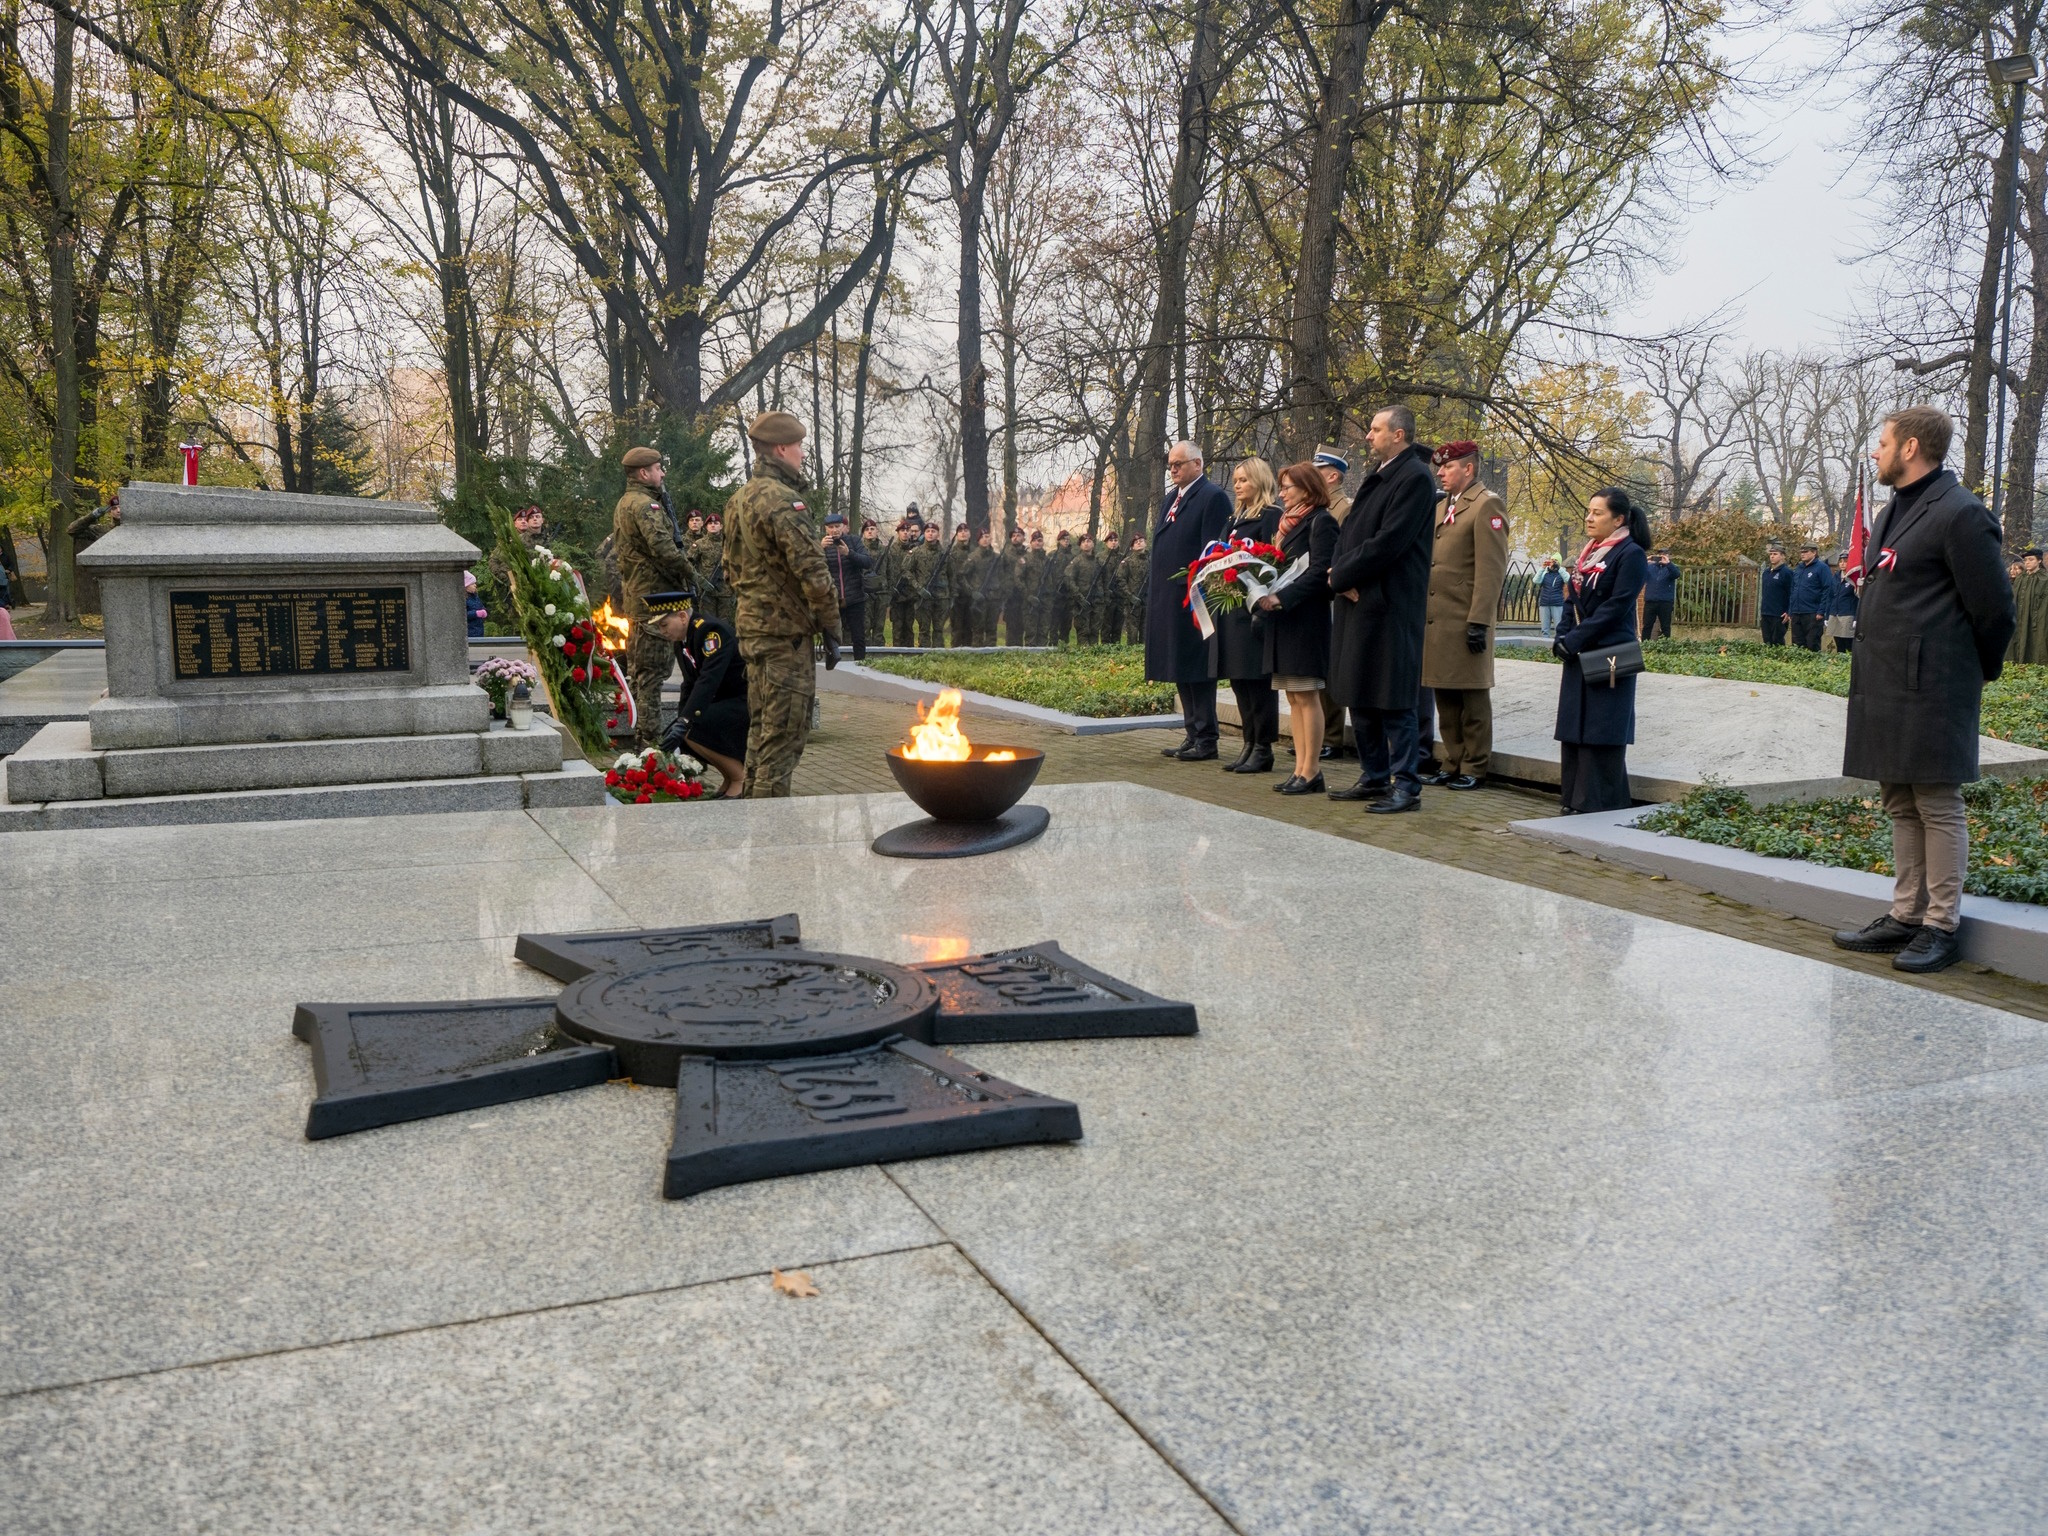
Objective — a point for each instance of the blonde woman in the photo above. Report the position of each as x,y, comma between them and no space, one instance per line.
1235,650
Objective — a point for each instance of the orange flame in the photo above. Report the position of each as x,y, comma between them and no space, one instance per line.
1004,756
936,737
613,629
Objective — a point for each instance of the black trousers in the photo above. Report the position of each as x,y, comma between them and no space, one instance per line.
1198,711
1655,613
1387,745
1592,778
853,629
1425,724
1258,710
1773,626
1807,629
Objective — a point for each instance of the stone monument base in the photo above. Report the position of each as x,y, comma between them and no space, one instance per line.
59,779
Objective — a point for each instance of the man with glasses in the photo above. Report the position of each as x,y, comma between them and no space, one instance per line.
1190,518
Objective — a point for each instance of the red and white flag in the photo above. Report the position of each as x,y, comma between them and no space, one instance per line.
1859,529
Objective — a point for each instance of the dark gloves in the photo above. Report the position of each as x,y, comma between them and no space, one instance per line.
1475,638
831,652
1557,649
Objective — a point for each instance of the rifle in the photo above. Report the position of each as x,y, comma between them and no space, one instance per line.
995,563
945,554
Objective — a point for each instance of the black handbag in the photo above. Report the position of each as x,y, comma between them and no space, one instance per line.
1606,667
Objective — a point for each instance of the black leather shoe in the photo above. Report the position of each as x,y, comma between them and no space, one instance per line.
1364,789
1886,936
1300,786
1195,754
1440,777
1463,781
1427,766
1327,753
1260,761
1932,949
1176,751
1239,762
1402,799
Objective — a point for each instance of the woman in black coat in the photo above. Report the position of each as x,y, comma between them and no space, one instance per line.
1596,720
1235,651
1294,623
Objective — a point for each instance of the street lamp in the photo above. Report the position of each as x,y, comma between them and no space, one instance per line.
2015,71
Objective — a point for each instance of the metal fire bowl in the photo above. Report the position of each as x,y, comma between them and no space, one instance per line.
976,790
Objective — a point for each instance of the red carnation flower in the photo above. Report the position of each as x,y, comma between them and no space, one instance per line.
643,798
579,674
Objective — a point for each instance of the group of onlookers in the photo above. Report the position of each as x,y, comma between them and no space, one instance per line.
2029,644
1808,598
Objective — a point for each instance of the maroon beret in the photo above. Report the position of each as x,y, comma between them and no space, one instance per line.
1451,451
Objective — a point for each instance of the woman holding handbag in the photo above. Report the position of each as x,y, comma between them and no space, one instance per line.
1596,698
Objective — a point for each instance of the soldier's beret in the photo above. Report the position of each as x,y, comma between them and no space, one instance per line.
2031,549
776,429
1451,452
641,458
1327,457
659,603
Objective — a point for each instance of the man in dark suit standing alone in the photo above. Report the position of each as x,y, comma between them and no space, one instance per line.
1190,518
1380,575
1935,617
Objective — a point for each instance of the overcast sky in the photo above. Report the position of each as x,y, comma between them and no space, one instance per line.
1774,247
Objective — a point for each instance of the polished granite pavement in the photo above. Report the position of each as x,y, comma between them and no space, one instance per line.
1472,1208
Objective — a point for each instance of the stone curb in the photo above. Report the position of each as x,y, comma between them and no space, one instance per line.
2008,936
864,682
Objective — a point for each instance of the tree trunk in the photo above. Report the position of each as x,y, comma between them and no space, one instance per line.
1312,409
2032,398
1010,408
862,362
973,371
62,601
1183,189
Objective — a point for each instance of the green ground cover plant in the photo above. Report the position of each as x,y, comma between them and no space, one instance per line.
2015,707
2008,832
1099,681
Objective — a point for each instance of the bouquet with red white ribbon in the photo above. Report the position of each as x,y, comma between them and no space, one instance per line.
655,777
1228,575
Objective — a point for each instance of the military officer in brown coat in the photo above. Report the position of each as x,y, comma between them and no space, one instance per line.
1468,563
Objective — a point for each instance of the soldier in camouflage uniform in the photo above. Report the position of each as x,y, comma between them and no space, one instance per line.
989,591
648,547
931,587
1084,592
880,579
1037,591
1112,557
1016,557
965,569
902,596
1132,576
783,595
714,600
1061,618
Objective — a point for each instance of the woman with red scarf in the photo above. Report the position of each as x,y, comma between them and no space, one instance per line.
1596,720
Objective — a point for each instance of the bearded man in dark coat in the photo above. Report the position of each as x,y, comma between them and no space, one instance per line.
1380,575
1931,631
1190,519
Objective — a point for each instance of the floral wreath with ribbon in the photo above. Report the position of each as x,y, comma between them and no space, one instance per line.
1228,575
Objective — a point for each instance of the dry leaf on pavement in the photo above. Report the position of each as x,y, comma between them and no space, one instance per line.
795,1283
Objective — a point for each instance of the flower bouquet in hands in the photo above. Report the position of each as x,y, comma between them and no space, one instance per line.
499,675
584,682
1226,576
655,777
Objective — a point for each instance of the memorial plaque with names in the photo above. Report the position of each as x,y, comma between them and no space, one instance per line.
288,631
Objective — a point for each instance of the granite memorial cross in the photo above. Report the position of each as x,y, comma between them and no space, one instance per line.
784,1060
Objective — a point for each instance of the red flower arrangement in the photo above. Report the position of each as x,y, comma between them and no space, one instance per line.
655,777
1224,590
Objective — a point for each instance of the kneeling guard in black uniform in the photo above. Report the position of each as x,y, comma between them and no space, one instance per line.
711,722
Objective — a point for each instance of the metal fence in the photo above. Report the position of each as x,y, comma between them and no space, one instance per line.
1719,597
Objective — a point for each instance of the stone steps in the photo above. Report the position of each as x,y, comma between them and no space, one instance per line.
59,763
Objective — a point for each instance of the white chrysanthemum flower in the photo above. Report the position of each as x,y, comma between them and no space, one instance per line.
549,610
561,642
626,764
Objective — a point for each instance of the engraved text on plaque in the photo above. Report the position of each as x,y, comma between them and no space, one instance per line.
289,630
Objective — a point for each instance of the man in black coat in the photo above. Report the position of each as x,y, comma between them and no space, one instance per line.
1932,628
1380,575
1190,519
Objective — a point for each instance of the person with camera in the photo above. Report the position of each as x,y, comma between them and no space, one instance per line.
849,565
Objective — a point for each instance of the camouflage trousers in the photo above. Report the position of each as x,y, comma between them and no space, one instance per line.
903,623
931,624
649,659
878,615
781,682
